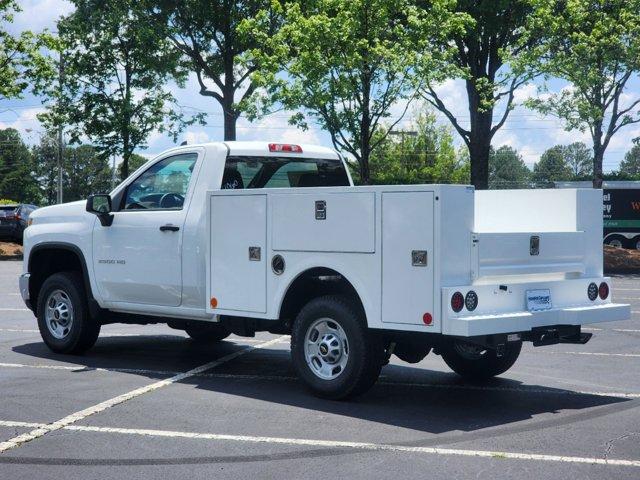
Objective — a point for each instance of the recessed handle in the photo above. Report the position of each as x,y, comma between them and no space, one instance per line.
169,228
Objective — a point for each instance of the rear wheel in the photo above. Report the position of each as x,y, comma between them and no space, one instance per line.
63,317
208,333
615,241
476,362
333,351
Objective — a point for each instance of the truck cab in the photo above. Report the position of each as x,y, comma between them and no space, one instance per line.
239,237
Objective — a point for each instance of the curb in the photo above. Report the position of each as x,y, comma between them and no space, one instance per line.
10,257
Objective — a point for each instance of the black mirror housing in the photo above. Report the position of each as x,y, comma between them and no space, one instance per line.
100,205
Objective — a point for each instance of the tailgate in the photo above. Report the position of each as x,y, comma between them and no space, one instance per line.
498,254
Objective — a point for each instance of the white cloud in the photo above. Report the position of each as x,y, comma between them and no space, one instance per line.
192,136
36,15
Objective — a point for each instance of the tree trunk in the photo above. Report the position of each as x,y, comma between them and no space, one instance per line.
228,97
479,138
598,154
126,155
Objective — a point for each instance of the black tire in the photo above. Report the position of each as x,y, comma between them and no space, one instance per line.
208,333
480,366
365,353
83,331
616,241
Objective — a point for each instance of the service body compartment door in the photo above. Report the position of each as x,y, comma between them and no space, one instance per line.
324,222
407,259
238,236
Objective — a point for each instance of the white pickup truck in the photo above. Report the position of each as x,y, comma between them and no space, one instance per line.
239,237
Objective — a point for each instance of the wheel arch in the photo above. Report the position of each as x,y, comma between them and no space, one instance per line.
316,281
48,258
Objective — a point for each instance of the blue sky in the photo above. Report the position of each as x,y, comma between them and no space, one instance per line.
530,133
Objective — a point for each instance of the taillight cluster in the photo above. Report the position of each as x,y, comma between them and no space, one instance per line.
458,301
594,291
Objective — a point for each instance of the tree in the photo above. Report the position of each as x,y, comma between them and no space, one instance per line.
425,154
347,64
595,46
86,172
553,166
580,160
20,57
115,70
135,162
17,181
507,169
45,157
631,163
207,35
487,59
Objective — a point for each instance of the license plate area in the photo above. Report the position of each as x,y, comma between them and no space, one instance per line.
538,300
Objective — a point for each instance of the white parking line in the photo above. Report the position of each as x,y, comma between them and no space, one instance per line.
338,444
14,310
284,378
77,416
599,354
627,330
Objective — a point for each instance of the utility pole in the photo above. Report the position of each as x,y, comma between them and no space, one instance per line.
60,128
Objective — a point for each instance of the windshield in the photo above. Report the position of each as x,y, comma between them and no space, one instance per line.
283,172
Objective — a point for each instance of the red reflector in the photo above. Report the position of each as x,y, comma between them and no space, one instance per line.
285,147
603,291
427,319
457,302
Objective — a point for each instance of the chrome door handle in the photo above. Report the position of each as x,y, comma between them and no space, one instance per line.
169,228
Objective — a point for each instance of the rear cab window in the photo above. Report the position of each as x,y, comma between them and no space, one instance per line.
283,172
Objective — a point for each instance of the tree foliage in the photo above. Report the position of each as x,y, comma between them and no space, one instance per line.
487,58
347,64
426,155
552,167
595,46
17,180
507,169
630,165
207,36
113,85
20,58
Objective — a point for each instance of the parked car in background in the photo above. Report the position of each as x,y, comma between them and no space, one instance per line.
13,220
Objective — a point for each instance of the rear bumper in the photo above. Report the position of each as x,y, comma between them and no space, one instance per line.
524,321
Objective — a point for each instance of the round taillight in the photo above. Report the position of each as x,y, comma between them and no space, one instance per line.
457,302
592,291
471,300
603,291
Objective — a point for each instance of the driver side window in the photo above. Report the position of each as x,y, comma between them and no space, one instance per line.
162,186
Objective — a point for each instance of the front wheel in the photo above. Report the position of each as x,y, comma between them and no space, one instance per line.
475,362
63,317
333,351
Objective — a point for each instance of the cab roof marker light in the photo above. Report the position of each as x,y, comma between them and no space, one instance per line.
285,147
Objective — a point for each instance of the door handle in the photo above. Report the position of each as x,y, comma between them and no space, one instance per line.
169,228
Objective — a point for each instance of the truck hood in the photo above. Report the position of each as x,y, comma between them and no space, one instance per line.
60,213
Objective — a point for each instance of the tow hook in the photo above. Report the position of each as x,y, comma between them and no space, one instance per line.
541,336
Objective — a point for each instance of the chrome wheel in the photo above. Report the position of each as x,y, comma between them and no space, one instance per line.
58,314
326,348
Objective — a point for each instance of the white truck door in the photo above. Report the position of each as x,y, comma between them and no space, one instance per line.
138,259
407,258
238,235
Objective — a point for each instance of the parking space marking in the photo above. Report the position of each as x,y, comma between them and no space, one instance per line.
344,444
600,354
77,416
625,330
285,378
14,310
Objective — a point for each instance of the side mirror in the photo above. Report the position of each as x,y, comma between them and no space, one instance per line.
100,205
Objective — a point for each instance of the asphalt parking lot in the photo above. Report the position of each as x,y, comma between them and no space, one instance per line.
146,401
